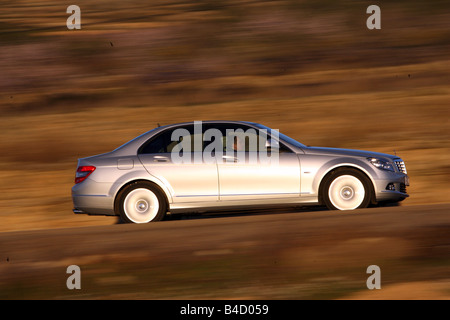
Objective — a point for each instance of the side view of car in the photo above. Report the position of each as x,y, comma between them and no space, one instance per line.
207,165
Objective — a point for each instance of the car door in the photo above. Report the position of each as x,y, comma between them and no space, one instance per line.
188,178
247,174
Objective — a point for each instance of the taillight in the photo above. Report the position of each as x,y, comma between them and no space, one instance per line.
83,172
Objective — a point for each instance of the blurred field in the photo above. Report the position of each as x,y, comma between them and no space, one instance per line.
292,255
311,69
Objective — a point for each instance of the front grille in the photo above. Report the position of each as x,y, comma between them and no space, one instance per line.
400,166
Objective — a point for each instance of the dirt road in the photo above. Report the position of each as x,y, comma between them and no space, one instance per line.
284,255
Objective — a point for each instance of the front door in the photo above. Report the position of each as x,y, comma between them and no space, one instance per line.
246,173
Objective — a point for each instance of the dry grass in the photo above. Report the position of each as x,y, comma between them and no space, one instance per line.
320,77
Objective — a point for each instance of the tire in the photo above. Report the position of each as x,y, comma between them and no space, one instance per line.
346,189
141,202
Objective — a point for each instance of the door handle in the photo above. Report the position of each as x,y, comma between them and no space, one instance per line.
160,159
230,159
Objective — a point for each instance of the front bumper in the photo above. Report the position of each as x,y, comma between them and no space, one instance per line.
392,187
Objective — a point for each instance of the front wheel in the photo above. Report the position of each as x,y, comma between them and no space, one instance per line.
346,189
141,203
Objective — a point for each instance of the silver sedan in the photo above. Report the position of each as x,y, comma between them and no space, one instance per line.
211,165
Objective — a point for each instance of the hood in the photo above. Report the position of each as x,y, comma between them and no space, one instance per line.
347,152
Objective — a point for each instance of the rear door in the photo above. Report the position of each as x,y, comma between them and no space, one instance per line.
181,169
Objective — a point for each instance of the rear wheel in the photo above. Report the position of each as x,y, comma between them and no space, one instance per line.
141,203
346,189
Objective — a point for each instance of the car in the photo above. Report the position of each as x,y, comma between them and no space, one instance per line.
223,165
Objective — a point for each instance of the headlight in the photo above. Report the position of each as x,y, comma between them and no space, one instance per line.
381,164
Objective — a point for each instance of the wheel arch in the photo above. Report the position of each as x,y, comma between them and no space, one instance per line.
135,181
335,169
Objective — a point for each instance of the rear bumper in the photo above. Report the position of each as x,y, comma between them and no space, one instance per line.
91,197
93,212
93,205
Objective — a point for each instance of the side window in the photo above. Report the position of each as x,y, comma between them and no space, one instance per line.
242,138
233,137
179,138
182,139
185,139
156,144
